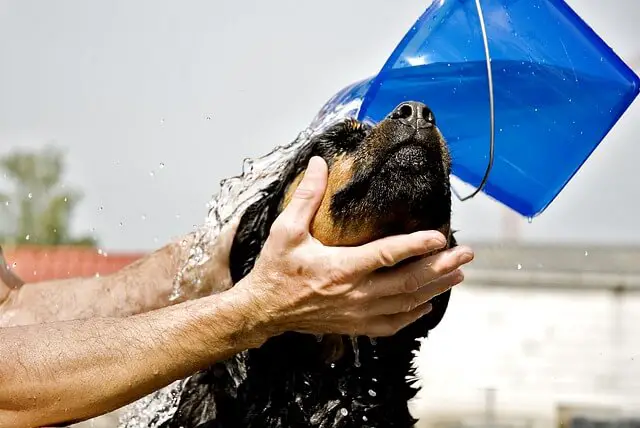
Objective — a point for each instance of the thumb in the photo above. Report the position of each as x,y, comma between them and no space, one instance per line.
306,199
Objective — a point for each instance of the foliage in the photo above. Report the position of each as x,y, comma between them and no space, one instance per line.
37,207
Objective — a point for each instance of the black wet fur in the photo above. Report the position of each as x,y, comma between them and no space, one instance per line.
286,382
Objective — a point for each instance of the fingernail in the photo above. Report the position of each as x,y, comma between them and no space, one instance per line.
427,307
465,254
435,240
458,277
315,162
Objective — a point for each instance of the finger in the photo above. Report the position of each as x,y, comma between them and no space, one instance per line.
413,276
388,325
389,251
297,215
407,302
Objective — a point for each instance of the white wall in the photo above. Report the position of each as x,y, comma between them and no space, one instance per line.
537,348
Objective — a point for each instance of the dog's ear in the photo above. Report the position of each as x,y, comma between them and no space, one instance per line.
253,231
440,303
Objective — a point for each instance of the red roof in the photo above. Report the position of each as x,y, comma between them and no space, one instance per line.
35,263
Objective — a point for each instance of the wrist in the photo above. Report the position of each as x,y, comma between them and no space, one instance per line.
239,308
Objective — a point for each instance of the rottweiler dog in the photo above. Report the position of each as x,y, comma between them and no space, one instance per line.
386,179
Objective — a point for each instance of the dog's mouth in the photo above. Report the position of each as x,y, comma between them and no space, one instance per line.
410,157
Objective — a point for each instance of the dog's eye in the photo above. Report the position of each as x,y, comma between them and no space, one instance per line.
352,135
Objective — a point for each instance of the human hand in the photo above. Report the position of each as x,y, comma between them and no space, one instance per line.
298,284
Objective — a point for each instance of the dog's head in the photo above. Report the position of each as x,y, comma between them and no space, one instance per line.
383,180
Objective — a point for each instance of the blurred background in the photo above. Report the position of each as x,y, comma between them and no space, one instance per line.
118,120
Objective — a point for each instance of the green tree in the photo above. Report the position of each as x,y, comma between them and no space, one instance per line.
37,208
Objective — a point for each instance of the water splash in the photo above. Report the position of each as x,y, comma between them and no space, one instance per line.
236,194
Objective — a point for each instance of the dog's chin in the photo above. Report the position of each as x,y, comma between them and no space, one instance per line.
409,161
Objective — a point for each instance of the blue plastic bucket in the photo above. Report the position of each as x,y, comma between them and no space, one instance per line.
557,90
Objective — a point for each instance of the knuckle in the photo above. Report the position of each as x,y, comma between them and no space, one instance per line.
338,274
412,283
296,232
277,227
386,258
288,229
444,264
303,192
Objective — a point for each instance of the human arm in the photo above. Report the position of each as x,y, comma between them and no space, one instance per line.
143,286
73,370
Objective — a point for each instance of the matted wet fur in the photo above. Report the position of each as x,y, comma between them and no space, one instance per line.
383,180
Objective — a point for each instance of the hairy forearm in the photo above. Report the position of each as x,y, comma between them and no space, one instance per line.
74,370
142,286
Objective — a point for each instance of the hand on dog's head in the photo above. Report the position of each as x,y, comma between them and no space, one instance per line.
383,180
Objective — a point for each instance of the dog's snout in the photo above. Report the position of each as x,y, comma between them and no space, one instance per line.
414,114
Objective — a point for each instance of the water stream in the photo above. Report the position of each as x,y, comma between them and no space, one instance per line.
236,194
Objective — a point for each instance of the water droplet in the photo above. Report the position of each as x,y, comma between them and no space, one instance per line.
162,121
356,351
14,264
121,223
374,380
333,365
373,341
27,237
155,239
143,217
372,393
519,266
318,338
530,220
365,419
177,216
6,203
97,274
208,117
586,253
161,165
30,195
35,272
535,109
65,199
344,412
100,208
151,173
100,251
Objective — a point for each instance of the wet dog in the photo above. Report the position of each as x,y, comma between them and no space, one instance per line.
383,180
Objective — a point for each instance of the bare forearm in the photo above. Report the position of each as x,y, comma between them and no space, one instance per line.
74,370
143,286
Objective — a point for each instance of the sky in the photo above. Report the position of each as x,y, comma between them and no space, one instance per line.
155,101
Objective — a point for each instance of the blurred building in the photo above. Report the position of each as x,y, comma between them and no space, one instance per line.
537,336
45,263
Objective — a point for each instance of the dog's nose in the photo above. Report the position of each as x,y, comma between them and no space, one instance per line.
414,114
